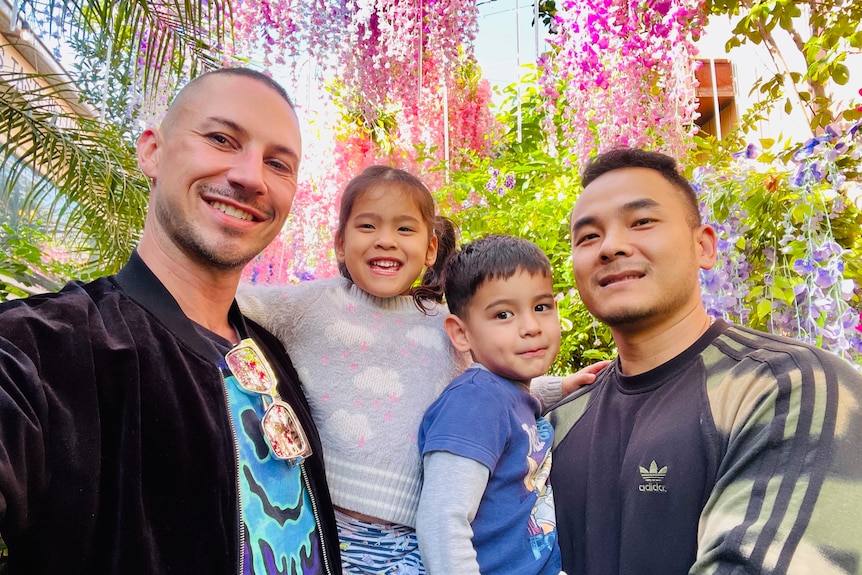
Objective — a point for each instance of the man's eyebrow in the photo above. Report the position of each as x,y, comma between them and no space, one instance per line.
227,124
230,124
582,223
623,209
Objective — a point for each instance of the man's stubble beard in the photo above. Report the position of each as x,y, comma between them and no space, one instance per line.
649,312
195,246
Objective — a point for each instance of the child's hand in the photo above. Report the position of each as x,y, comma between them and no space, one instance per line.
584,376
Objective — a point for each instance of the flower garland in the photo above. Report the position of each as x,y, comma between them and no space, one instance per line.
451,118
621,74
783,262
375,47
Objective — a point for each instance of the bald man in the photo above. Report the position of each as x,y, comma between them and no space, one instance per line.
145,425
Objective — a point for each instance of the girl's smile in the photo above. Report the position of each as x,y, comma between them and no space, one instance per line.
386,242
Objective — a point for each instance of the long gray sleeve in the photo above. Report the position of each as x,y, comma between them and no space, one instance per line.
548,389
452,489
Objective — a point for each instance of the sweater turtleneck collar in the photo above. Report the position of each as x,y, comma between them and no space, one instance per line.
397,303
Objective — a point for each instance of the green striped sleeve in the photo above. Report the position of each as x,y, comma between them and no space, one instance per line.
788,496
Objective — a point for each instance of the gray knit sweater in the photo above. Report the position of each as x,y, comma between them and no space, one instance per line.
370,367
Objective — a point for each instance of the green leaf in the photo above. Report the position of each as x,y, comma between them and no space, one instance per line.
764,308
840,74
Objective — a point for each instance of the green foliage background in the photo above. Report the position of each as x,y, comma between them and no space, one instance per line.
775,214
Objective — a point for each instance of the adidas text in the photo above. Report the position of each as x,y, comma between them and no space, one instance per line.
652,487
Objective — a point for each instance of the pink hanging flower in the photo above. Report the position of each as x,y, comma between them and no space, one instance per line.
621,73
377,48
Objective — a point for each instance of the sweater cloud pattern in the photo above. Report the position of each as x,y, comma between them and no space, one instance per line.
370,367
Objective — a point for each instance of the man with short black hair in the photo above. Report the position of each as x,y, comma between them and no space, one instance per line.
705,447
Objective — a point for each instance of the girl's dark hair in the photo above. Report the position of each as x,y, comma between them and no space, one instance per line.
431,286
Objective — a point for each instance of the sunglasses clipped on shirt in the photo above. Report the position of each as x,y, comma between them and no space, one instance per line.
282,429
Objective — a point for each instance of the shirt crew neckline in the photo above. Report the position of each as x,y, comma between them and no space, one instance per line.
658,376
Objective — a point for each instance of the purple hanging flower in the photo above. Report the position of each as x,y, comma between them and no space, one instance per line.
803,266
824,278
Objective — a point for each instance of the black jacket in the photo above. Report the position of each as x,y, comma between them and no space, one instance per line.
116,451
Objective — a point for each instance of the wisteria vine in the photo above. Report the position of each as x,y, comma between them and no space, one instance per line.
783,264
377,48
621,73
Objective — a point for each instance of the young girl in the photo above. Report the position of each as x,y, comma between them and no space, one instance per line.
372,354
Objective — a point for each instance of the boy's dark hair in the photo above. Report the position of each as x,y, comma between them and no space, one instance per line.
431,285
666,166
492,257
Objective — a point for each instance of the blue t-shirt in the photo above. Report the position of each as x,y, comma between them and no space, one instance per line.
489,419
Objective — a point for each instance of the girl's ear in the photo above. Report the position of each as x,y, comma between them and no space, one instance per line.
431,253
339,248
456,329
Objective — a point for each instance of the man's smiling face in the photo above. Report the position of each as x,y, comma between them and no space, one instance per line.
224,165
635,254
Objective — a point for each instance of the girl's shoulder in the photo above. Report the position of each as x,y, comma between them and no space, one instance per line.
288,295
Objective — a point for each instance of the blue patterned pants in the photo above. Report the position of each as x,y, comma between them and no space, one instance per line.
377,549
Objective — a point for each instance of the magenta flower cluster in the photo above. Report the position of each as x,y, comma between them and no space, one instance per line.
621,73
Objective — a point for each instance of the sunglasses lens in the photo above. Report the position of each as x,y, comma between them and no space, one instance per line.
279,422
250,369
284,433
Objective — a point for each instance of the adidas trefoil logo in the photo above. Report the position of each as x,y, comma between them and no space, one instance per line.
654,478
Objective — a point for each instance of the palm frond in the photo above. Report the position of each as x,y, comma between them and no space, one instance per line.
163,40
86,174
75,174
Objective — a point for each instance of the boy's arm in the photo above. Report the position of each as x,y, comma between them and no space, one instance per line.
452,488
549,389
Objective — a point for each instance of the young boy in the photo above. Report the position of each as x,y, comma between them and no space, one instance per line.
486,506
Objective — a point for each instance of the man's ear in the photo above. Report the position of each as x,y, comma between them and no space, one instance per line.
457,331
148,152
707,246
